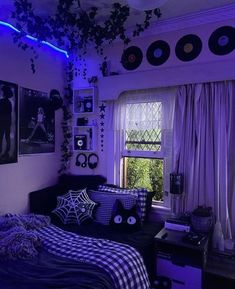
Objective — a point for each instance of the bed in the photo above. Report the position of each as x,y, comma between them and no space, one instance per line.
89,255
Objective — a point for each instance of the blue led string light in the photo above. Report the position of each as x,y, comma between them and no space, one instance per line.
35,39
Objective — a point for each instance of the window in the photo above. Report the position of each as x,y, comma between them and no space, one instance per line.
146,173
146,141
144,126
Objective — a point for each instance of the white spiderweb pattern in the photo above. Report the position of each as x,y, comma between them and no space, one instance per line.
74,207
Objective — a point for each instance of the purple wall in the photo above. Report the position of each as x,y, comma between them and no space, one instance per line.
31,172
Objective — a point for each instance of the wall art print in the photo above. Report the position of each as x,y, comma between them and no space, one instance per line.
8,122
37,122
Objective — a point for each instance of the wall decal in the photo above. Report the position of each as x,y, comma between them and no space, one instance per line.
158,52
188,47
8,122
102,108
222,40
37,122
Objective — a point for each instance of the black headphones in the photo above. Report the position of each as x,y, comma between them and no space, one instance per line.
79,162
93,164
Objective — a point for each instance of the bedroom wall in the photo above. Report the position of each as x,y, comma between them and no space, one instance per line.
206,67
31,172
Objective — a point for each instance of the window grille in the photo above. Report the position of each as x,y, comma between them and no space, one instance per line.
143,129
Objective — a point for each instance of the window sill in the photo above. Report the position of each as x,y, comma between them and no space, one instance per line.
158,206
159,213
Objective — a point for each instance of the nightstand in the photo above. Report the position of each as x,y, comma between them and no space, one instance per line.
180,261
219,271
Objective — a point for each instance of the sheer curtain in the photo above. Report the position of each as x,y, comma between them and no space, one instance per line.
204,141
118,123
122,121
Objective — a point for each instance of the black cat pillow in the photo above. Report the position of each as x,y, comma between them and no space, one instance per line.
125,220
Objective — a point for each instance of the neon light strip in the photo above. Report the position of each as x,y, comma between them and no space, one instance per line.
35,39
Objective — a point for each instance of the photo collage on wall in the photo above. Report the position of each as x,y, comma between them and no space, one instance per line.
8,122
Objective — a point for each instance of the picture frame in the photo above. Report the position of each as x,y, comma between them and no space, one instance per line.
37,122
83,138
8,122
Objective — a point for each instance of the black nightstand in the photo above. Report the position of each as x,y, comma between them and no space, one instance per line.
219,271
180,261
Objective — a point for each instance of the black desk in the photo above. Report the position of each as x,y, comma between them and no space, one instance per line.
181,262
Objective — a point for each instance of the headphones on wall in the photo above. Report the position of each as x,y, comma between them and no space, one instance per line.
93,160
82,160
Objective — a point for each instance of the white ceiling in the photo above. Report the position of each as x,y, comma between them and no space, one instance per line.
172,8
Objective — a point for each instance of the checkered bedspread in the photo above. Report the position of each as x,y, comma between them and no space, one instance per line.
122,262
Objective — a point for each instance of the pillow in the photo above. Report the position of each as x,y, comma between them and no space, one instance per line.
75,207
125,220
141,195
106,201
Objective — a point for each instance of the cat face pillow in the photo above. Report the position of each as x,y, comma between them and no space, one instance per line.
125,220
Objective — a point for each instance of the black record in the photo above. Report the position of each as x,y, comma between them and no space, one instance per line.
158,52
132,58
188,47
222,40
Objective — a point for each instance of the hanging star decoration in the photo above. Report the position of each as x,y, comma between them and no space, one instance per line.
102,108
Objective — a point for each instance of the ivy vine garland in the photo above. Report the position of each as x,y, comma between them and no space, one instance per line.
75,30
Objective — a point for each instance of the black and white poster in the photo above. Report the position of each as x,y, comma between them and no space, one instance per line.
37,122
8,122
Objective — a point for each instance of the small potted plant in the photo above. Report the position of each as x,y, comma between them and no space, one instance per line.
202,219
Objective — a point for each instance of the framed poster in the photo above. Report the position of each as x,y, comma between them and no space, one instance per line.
37,122
8,122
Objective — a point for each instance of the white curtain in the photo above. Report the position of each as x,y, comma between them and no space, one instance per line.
123,121
117,123
204,141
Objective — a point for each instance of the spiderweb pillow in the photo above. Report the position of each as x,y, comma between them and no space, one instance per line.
75,207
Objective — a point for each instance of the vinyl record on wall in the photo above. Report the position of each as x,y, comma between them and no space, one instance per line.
222,40
132,58
188,47
158,52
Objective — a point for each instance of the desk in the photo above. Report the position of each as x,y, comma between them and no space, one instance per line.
181,262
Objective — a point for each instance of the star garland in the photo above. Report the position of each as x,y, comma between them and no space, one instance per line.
102,108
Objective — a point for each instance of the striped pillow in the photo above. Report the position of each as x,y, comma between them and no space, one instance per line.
140,193
106,202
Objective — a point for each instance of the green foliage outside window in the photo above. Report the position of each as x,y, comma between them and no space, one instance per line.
147,173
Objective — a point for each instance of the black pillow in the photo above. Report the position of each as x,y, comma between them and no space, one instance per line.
125,220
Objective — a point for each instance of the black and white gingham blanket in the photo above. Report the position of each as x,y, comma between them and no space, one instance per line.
122,262
141,194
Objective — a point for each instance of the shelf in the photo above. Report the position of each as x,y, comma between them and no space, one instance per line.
84,124
84,100
84,138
